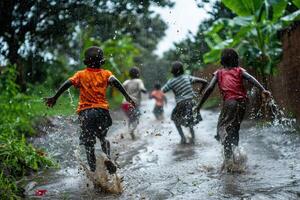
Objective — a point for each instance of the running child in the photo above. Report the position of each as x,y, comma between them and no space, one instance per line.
160,100
181,85
135,87
230,81
93,108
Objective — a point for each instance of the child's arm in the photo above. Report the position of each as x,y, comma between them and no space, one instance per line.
255,82
207,92
200,80
116,83
51,101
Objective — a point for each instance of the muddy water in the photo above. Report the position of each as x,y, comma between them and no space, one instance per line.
156,166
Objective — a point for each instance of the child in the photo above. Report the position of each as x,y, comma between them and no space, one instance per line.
93,108
181,85
135,87
230,82
160,100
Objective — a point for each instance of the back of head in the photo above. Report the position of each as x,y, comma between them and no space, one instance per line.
229,58
177,68
93,57
134,72
157,86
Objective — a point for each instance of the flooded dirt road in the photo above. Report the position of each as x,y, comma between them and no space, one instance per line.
156,166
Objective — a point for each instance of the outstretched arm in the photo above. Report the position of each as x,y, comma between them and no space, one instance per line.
200,80
207,92
51,101
116,83
255,82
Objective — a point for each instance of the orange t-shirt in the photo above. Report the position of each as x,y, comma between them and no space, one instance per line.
92,84
159,97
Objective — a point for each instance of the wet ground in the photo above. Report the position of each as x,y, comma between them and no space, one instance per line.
156,166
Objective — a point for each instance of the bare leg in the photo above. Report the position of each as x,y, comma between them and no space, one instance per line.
179,129
105,145
91,158
192,134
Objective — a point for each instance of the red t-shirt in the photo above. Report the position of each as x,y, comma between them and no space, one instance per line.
230,82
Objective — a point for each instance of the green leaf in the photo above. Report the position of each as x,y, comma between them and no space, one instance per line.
278,8
291,17
212,56
296,3
243,7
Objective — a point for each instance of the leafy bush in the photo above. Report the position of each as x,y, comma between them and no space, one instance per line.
8,189
17,157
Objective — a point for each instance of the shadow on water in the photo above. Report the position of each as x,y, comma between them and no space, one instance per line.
183,152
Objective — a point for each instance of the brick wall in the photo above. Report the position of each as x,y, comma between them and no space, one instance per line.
286,84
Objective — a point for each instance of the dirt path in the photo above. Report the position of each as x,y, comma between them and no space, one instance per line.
155,166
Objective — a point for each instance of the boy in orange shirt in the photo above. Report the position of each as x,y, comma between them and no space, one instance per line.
93,108
160,101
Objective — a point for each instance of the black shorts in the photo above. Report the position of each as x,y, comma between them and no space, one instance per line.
94,122
158,110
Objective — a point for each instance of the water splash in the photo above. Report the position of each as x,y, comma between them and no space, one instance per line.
277,115
71,99
102,180
238,163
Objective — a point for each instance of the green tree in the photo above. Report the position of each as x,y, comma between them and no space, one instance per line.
43,30
253,32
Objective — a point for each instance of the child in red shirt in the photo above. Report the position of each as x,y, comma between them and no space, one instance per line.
230,82
93,108
160,100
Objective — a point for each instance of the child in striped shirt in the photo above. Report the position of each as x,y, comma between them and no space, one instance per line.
181,85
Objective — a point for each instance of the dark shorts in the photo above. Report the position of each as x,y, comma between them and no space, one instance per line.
94,122
230,119
183,114
158,110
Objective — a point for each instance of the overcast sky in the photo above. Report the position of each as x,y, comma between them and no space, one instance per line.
184,16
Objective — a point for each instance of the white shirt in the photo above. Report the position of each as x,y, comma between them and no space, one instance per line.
134,88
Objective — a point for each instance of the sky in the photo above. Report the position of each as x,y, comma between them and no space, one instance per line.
185,16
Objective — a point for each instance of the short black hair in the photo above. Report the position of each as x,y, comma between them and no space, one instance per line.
93,57
157,86
134,72
177,68
229,58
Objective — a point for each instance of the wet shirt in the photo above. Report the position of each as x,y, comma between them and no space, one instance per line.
92,84
159,97
181,86
230,82
134,88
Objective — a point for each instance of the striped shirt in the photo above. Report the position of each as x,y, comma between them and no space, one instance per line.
181,86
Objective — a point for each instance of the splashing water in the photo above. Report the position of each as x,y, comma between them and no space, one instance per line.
71,99
278,116
238,162
102,180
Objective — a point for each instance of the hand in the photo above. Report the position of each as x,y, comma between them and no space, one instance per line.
266,94
50,101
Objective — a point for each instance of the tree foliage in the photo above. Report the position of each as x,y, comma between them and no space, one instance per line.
253,32
41,31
